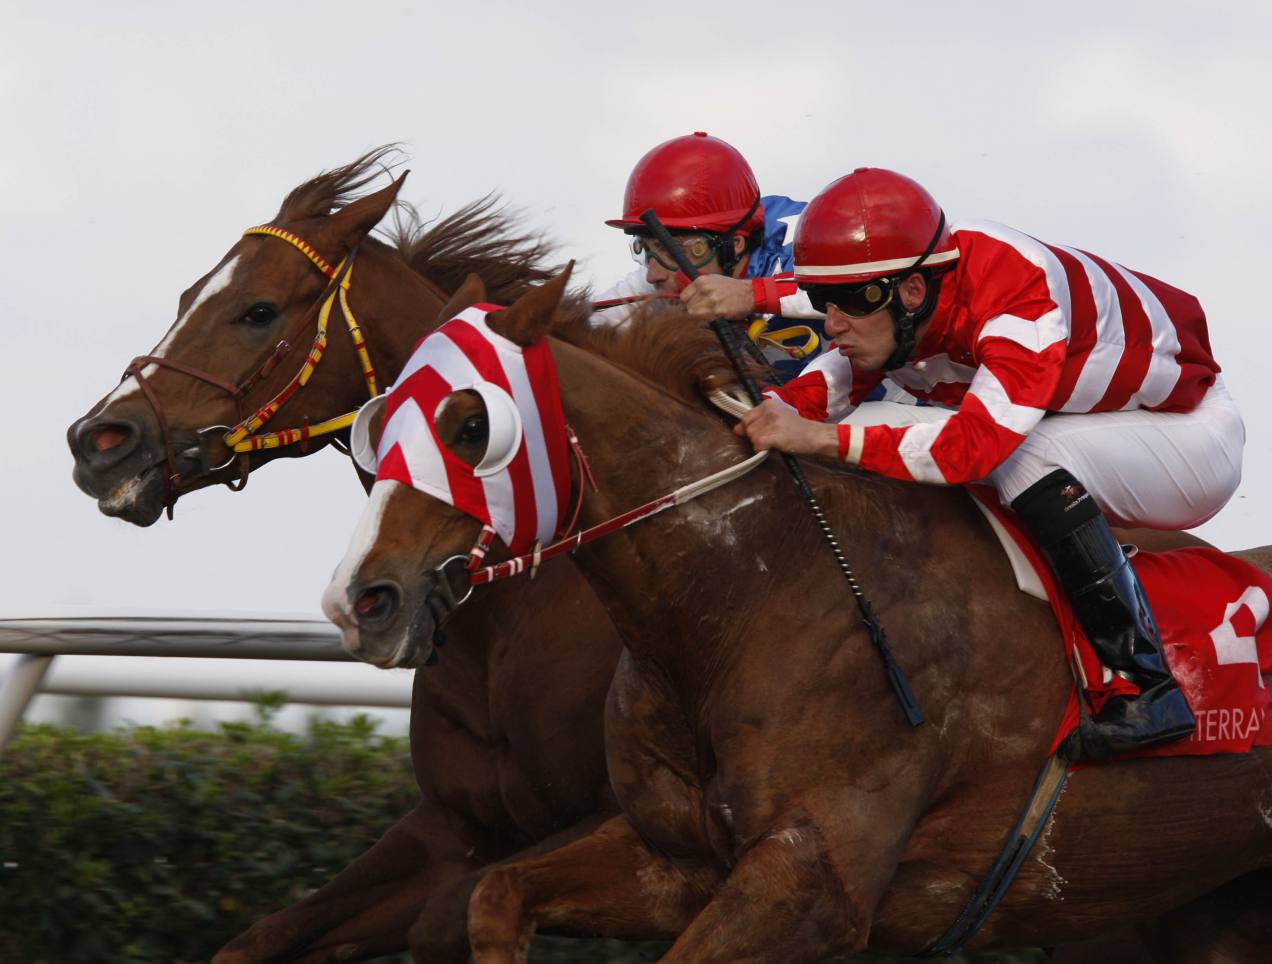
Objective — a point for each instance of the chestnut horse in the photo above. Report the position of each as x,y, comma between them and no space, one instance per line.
505,729
775,805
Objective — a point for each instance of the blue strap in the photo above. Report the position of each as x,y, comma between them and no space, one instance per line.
1003,873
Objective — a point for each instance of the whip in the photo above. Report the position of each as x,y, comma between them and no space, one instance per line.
729,343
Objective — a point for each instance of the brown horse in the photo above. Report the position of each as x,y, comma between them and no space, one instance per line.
775,805
505,729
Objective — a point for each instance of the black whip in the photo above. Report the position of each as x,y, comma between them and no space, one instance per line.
728,337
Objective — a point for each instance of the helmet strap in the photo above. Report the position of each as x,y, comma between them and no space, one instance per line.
905,320
725,255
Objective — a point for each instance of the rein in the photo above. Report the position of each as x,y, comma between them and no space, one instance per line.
529,562
634,299
242,438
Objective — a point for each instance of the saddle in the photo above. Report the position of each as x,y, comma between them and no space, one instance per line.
1212,610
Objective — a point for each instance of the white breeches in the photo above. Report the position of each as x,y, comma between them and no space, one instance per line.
1163,470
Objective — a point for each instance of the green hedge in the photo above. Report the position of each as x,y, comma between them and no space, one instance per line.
160,845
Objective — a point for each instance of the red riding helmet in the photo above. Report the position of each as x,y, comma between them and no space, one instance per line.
693,183
870,224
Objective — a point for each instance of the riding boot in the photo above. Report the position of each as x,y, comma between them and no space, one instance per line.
1109,602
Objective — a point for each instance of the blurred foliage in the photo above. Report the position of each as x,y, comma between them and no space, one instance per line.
159,845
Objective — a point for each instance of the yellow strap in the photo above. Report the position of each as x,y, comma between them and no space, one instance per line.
359,343
241,438
758,332
296,241
290,436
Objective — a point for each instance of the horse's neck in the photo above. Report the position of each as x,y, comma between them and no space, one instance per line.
681,585
395,307
742,581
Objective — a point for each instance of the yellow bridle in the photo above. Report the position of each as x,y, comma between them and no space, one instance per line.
242,437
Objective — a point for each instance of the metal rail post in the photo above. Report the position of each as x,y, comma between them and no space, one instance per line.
16,690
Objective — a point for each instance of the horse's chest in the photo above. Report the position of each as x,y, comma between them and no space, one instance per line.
517,781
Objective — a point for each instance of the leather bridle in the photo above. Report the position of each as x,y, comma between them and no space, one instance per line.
243,437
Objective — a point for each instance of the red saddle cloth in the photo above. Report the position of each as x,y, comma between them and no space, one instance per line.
1212,610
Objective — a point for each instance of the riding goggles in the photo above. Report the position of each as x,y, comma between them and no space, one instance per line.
855,301
697,248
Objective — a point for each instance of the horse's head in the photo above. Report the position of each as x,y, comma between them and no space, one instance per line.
470,442
240,340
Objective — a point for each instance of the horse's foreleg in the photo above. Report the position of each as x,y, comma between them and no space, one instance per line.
440,934
606,884
783,901
368,908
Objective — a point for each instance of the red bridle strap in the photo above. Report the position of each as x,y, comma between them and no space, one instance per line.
529,562
633,299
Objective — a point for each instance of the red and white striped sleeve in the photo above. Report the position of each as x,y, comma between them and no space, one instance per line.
1020,364
778,294
828,389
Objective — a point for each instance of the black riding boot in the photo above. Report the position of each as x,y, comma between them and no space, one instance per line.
1111,606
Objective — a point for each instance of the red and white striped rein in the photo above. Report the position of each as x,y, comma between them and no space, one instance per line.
529,562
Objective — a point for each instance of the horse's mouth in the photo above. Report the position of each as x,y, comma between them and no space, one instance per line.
422,637
138,499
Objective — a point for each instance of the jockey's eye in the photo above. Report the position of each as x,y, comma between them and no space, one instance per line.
474,430
258,316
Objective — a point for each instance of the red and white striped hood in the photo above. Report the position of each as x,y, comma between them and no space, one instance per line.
521,491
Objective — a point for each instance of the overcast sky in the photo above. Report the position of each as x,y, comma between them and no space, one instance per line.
141,138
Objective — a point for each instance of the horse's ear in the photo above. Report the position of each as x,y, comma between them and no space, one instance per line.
530,316
471,292
342,230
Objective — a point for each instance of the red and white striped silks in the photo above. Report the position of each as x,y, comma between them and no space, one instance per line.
521,487
1022,329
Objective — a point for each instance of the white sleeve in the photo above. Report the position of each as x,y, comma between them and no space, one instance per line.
797,305
632,283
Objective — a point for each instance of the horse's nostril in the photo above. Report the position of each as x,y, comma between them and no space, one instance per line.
108,437
375,603
104,443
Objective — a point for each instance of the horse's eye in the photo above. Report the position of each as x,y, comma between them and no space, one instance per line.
474,429
258,316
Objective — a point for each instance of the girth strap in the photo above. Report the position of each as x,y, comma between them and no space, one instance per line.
992,889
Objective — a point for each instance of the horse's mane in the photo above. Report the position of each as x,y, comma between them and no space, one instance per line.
483,237
658,341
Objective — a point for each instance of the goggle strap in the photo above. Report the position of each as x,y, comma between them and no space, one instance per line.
927,252
751,210
724,245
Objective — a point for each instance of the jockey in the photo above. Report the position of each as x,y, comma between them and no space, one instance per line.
705,193
1045,366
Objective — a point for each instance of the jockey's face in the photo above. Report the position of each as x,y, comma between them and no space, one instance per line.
869,340
663,278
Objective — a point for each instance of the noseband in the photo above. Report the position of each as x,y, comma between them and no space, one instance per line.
242,438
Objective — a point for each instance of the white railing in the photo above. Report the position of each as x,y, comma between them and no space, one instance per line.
130,655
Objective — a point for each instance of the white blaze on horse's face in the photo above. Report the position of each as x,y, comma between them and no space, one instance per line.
214,285
335,599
